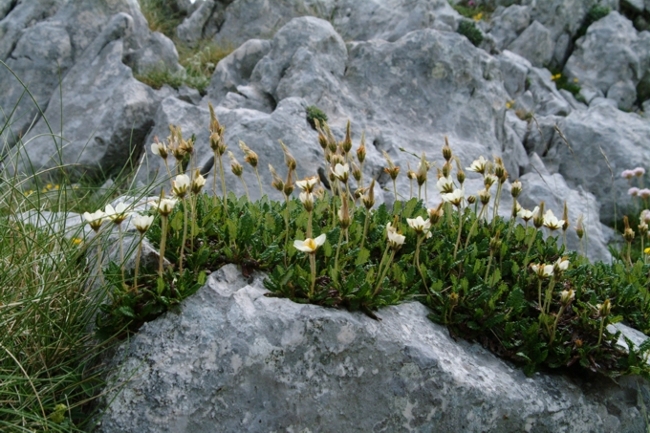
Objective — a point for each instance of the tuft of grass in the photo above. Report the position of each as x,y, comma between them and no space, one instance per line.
199,59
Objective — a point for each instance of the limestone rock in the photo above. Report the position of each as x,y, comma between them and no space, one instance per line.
95,140
535,44
610,52
22,15
602,142
232,359
42,55
623,93
507,25
236,68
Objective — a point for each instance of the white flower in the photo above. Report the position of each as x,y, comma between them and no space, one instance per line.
645,216
341,171
180,185
567,296
197,183
455,197
166,205
445,185
307,200
542,270
528,215
395,240
307,184
551,221
420,225
142,222
310,245
95,219
478,165
117,214
561,265
159,149
489,180
634,191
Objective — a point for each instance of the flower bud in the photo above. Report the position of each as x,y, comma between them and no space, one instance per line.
277,182
453,299
356,172
446,169
288,185
289,160
628,233
471,199
344,212
249,156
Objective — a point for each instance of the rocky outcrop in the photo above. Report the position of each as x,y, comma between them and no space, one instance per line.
233,359
611,58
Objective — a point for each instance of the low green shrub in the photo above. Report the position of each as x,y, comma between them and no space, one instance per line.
497,282
471,32
314,113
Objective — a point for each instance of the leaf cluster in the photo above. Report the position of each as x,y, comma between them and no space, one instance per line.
470,31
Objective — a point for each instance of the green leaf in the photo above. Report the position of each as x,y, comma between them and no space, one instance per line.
362,257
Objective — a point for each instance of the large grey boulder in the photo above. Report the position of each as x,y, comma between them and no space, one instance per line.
601,142
18,16
104,113
40,59
611,52
535,43
506,24
232,359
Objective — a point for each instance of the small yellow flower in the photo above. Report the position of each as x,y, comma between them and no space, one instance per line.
576,80
49,186
478,16
510,104
556,77
647,250
76,241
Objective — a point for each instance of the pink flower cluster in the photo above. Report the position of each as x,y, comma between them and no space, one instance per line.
636,192
635,172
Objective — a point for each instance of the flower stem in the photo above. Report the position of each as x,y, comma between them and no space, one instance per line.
600,333
487,270
383,273
417,263
163,238
557,319
138,254
259,182
119,227
182,252
338,249
460,231
365,229
312,264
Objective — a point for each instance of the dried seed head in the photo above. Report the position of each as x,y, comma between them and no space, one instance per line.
538,219
423,169
580,229
392,170
289,160
516,188
361,151
446,150
346,144
453,299
446,169
436,214
277,182
565,217
356,172
288,185
368,198
249,156
628,233
605,308
344,212
235,166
